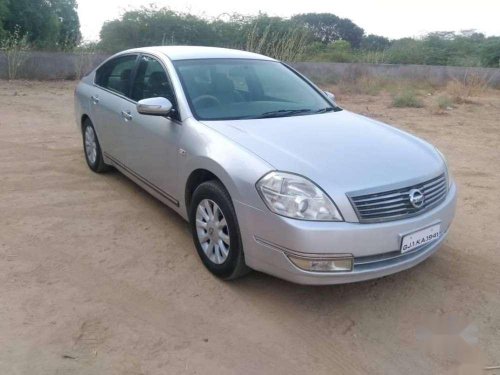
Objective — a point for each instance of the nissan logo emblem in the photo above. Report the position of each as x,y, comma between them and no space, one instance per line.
417,198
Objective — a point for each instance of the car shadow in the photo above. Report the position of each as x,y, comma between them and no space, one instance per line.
260,286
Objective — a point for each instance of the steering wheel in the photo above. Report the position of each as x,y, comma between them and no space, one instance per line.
207,99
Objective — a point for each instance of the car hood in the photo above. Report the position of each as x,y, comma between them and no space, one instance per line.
341,151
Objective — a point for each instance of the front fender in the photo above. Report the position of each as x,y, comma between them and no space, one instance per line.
236,167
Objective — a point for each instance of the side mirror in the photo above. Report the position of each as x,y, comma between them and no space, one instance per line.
154,106
330,95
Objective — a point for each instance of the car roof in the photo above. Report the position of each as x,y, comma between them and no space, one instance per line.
196,52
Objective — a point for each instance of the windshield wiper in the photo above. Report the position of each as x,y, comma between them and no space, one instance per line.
283,113
324,110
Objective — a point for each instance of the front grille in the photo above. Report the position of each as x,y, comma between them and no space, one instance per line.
395,204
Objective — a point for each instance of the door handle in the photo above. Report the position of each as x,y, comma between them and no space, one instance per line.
95,99
127,116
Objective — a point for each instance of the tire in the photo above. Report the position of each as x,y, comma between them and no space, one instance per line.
232,265
92,148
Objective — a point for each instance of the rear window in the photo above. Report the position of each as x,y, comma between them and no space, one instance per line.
115,75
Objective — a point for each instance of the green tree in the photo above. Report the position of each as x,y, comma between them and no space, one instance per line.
309,37
229,31
51,24
375,43
152,26
69,35
4,11
350,32
450,48
466,48
327,28
273,36
437,48
490,52
35,18
407,51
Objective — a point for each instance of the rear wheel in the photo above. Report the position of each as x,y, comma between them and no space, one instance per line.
215,231
92,148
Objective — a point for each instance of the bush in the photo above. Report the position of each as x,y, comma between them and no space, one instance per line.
338,51
15,46
407,99
444,102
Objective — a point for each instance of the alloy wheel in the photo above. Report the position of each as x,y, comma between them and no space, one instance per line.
212,231
90,144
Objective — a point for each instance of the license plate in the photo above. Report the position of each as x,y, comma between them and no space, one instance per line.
419,238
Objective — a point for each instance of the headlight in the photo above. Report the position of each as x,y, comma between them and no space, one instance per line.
296,197
447,171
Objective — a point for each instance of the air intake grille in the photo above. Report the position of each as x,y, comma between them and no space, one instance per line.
396,204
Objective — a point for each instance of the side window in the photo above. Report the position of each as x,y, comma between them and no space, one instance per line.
115,75
151,81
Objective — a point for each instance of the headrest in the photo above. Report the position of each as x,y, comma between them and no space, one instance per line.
157,78
222,83
125,75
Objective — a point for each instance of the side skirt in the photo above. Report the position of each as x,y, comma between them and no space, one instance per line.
145,184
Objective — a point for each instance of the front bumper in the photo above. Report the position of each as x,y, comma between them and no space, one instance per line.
267,238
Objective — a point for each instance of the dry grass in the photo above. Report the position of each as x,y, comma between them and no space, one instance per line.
281,45
410,93
363,85
471,85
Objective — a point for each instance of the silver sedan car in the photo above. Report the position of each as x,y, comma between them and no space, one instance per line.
269,171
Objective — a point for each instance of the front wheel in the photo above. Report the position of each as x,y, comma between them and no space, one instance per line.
215,231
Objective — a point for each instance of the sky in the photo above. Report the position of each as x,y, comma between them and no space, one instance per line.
390,18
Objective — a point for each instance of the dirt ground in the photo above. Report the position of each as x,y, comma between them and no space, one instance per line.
97,277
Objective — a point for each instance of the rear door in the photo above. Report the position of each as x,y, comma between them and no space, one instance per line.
152,141
111,92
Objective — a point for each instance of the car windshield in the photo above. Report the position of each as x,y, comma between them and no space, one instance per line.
225,89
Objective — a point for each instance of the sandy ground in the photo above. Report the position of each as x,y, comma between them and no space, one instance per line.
97,277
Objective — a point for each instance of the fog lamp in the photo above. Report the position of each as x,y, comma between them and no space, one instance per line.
341,264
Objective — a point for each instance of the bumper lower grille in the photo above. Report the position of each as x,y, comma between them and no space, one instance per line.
396,204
